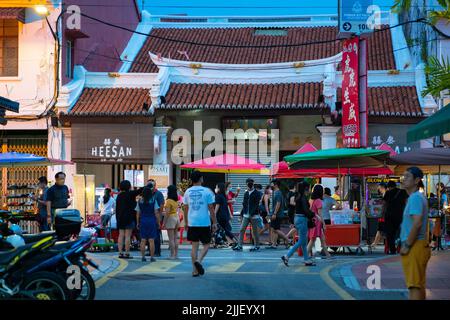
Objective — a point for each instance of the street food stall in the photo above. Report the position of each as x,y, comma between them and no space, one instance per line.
431,161
346,229
18,199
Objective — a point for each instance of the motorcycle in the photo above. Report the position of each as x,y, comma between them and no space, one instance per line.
16,283
65,257
57,258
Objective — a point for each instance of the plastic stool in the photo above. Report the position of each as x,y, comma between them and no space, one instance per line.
249,230
181,235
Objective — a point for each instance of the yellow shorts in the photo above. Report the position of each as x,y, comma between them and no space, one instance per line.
415,264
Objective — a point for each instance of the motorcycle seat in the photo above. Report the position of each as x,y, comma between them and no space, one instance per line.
30,238
8,256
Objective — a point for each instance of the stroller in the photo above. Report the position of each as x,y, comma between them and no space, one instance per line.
220,238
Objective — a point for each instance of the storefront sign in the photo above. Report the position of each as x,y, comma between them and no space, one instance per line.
262,127
393,135
382,180
161,175
350,94
112,143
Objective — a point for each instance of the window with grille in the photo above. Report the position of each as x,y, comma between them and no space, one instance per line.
9,48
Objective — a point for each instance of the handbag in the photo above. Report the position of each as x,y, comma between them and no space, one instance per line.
311,223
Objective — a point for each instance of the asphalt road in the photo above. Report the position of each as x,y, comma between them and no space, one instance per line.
232,276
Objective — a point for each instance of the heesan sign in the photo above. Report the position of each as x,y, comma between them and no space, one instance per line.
113,143
108,151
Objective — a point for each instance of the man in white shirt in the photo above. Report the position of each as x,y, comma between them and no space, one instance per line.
199,211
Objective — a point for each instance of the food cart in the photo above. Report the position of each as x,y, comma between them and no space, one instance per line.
346,229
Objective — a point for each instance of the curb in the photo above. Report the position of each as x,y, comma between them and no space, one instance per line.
105,268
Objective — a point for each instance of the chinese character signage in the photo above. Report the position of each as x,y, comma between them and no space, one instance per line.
112,143
350,94
394,135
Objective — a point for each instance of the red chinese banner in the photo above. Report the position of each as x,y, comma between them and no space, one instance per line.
350,94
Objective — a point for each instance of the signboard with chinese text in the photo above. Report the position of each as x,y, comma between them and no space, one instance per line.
112,143
394,135
350,94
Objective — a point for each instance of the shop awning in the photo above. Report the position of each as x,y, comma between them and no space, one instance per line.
16,159
13,13
339,158
436,125
227,163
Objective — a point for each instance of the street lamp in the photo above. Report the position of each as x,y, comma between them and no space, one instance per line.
41,10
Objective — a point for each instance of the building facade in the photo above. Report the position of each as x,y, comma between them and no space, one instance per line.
229,73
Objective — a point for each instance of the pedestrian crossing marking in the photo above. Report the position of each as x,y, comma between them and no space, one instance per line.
302,269
159,266
226,268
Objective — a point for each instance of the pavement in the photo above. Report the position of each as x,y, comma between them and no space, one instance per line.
354,277
261,275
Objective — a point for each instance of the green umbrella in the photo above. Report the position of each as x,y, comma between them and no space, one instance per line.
341,157
435,125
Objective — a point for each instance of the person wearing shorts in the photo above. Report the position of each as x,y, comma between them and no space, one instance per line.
277,208
415,249
199,211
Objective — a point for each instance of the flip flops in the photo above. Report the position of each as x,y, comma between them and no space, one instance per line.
199,268
285,261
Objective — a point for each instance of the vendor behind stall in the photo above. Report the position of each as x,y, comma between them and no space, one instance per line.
354,194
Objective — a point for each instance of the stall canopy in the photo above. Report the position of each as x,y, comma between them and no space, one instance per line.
430,160
426,156
436,125
227,163
339,158
16,159
281,169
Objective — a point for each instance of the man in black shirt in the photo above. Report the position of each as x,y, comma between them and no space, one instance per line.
57,196
394,205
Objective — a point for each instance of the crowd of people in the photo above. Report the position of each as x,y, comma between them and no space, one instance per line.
208,214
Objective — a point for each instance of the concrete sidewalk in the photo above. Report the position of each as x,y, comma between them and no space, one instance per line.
355,275
106,263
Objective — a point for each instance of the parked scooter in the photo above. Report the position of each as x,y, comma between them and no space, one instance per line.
58,258
16,283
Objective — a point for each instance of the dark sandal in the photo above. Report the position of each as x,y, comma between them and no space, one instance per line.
310,264
199,268
285,261
195,275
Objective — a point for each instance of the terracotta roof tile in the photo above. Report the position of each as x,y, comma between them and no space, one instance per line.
243,96
379,47
112,101
13,13
399,101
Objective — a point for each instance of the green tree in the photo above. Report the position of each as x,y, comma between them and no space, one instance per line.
438,76
438,73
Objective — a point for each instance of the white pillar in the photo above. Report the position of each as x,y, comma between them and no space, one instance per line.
160,155
328,135
60,147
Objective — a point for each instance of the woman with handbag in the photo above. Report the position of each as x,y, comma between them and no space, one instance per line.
302,213
318,230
